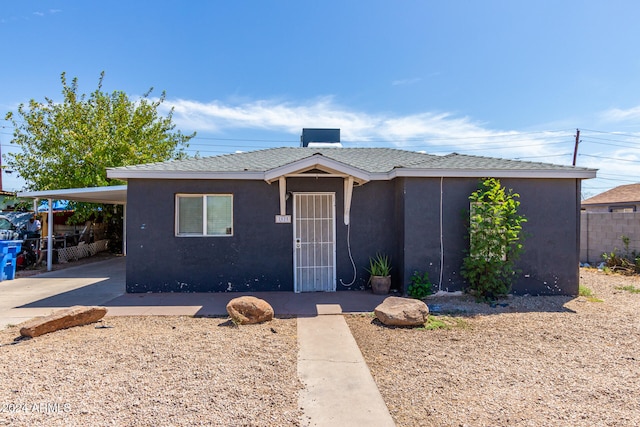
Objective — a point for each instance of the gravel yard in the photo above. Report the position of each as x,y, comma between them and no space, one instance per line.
143,371
539,361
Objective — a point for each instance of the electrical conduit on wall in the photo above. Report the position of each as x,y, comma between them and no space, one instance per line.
441,237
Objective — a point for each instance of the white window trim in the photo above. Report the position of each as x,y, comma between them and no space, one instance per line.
204,214
622,208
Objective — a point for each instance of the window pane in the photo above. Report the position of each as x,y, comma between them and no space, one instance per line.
190,215
219,215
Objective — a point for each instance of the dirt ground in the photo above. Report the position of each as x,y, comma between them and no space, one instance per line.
538,361
152,371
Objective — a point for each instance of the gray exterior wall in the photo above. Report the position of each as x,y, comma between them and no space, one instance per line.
259,255
400,218
549,264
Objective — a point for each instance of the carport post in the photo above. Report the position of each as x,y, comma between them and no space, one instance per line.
50,235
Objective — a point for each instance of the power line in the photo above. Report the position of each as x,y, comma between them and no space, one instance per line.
611,158
610,139
612,133
624,176
540,157
615,145
618,179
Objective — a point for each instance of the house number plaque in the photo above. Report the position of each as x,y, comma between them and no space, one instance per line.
283,219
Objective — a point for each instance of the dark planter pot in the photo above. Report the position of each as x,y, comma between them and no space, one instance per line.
380,285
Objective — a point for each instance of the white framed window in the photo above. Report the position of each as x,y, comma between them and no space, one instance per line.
204,215
628,208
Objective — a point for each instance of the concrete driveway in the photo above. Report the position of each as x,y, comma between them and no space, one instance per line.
88,284
103,283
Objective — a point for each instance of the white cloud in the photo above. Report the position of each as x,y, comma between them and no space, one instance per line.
268,115
403,82
617,115
436,132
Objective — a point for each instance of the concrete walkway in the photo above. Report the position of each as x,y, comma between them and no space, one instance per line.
339,389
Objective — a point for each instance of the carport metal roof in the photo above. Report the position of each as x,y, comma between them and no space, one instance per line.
116,194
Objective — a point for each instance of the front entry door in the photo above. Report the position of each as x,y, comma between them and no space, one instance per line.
314,248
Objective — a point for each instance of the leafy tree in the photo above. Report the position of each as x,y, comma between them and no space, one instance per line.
70,144
494,240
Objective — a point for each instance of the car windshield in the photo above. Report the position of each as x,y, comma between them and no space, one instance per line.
5,224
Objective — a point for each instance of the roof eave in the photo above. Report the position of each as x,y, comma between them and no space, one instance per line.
154,174
321,162
482,173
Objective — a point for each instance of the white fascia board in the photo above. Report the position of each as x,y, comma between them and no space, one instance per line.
116,194
317,161
482,173
154,174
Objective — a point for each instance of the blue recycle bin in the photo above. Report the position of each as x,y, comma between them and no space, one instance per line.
9,250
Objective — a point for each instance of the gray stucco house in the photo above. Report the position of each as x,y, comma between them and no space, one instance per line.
308,218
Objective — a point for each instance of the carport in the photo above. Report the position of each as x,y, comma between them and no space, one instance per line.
113,195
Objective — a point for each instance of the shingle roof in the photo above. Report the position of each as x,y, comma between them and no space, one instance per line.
622,194
462,161
369,160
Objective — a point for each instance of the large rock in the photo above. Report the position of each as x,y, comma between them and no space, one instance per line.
75,316
247,310
396,311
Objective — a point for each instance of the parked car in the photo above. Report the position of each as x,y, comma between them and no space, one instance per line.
8,230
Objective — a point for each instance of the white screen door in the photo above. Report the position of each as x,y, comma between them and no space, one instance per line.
314,249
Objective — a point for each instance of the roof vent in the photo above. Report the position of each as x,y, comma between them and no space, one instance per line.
320,138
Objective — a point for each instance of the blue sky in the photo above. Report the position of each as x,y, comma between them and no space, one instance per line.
496,78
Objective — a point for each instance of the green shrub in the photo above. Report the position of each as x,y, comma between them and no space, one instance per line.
629,263
419,286
444,322
494,240
583,291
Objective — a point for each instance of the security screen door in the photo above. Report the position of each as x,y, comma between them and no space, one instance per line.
314,249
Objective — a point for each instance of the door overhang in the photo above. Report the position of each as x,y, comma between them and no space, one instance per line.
349,182
318,166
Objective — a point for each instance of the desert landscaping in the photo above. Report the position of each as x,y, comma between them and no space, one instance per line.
528,361
538,361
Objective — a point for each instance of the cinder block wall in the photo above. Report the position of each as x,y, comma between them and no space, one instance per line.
602,232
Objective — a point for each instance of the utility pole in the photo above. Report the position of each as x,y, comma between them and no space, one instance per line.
575,149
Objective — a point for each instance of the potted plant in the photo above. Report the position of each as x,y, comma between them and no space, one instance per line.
380,270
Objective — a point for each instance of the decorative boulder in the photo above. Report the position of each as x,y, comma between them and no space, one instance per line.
396,311
77,315
248,310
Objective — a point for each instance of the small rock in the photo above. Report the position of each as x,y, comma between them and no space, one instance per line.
77,315
396,311
249,310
